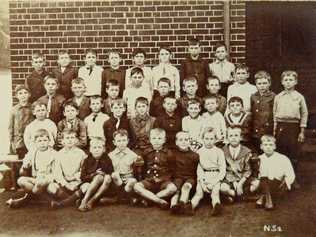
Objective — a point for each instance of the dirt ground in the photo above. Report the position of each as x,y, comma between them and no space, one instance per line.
295,216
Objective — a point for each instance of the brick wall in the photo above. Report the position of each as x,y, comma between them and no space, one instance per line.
48,26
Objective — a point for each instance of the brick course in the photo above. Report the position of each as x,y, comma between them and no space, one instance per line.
48,26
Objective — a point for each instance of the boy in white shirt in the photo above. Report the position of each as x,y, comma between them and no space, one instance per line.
276,173
91,74
241,87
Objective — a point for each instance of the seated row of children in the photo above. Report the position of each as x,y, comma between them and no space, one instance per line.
70,175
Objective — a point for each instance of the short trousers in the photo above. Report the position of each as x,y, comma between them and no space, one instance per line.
180,181
153,186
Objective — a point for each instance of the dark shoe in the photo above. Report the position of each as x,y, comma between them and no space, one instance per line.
217,209
133,201
176,209
144,203
260,202
55,205
164,205
228,199
188,209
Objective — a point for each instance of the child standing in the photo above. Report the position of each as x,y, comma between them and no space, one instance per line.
91,73
241,87
135,90
213,86
40,122
36,170
166,70
186,162
214,119
113,73
95,121
95,174
170,121
65,73
139,57
52,100
73,123
276,173
78,88
262,108
290,116
34,82
194,65
158,171
112,91
222,68
210,172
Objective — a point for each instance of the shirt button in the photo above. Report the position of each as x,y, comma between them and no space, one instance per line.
148,172
258,101
256,130
257,110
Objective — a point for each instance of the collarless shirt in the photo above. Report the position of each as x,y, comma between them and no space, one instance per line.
123,160
224,70
244,91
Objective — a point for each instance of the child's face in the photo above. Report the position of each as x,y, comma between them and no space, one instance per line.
194,110
213,86
241,76
78,89
70,112
211,105
183,141
51,86
139,59
97,148
170,105
164,56
40,112
263,85
69,140
235,107
42,143
113,91
289,82
23,95
120,142
221,53
91,59
63,60
190,87
194,50
163,88
118,110
157,140
141,108
114,60
137,80
268,147
209,139
96,105
38,64
234,137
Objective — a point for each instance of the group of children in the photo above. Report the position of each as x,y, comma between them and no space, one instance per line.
156,135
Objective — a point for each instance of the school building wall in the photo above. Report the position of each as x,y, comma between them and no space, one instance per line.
49,26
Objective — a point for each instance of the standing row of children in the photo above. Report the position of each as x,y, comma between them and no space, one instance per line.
169,134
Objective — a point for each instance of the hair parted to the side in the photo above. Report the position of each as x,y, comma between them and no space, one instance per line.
41,133
262,75
267,138
120,132
289,73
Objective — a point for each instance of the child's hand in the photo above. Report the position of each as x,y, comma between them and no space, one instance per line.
301,137
239,188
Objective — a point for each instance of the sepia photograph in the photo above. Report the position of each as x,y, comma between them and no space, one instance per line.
157,118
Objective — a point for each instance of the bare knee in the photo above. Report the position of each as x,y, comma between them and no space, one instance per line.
186,187
98,178
172,188
107,179
52,188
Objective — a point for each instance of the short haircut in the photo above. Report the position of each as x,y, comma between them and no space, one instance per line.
236,99
137,51
37,55
210,97
112,82
262,75
70,103
289,73
97,139
212,78
121,132
167,48
164,79
51,77
233,127
268,138
96,97
78,80
41,133
220,44
190,78
208,130
21,87
38,103
114,51
63,51
92,51
137,70
193,102
241,66
68,131
182,133
117,102
157,131
142,100
169,96
194,41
